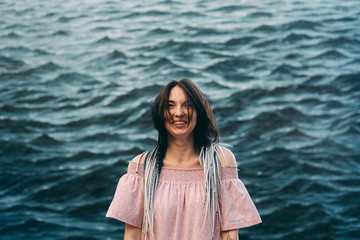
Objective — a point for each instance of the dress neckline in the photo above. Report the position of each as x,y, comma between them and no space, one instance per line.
169,174
182,169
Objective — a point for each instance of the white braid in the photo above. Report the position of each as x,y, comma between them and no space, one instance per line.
150,181
211,164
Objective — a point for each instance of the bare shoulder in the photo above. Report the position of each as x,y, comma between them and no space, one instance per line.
139,158
227,158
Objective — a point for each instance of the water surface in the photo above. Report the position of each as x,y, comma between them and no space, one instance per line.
77,79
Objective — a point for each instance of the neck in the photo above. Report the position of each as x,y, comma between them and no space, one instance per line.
181,153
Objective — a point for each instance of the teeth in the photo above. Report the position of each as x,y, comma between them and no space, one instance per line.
179,122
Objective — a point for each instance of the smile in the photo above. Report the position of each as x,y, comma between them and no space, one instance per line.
179,122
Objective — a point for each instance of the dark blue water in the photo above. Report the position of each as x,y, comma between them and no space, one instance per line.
77,79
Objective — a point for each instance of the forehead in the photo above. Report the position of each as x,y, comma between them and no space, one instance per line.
177,94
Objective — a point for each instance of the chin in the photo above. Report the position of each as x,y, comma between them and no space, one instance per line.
178,134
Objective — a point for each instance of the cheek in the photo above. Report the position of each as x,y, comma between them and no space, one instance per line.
168,114
167,117
167,125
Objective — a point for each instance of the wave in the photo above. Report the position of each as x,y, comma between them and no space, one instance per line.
150,13
341,19
16,75
19,123
21,50
340,42
74,79
351,130
232,8
10,64
71,186
29,224
83,160
191,14
111,119
295,133
259,14
231,65
135,94
101,29
38,100
293,37
328,146
344,119
201,31
66,19
214,54
240,41
60,33
285,69
116,54
79,236
238,77
159,31
113,58
45,139
101,137
9,109
265,28
50,14
105,40
16,26
317,79
44,68
93,101
348,82
271,120
12,35
248,95
293,56
17,149
216,85
160,64
176,46
179,73
333,104
266,43
331,54
301,24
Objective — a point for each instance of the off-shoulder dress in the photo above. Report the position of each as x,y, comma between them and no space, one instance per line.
179,200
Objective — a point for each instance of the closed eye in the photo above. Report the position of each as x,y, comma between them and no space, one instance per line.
188,105
170,104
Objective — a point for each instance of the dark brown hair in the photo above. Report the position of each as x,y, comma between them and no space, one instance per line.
206,130
206,135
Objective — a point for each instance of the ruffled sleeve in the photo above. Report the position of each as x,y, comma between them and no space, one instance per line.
237,208
128,202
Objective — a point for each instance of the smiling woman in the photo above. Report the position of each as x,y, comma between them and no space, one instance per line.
180,116
187,187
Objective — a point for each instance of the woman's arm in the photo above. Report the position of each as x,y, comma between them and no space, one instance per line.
230,235
132,233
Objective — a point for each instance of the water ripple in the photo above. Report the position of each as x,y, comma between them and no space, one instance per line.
77,84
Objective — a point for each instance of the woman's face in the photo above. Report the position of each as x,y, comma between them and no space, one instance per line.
180,117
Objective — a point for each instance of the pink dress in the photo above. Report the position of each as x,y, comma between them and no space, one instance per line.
179,200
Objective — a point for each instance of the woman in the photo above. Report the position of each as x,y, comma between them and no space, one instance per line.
187,187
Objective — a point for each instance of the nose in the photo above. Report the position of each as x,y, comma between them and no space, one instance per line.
179,111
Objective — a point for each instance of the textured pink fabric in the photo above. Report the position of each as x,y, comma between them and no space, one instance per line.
178,203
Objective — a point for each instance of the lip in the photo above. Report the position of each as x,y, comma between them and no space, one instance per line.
179,123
